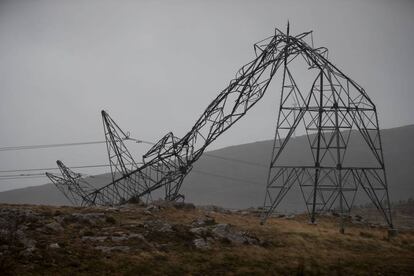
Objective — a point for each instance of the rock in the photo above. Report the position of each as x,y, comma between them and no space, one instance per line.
116,209
224,231
28,243
54,246
148,213
200,231
110,219
201,244
184,206
104,249
3,222
151,208
162,204
89,238
54,226
109,249
212,208
118,239
28,252
127,237
158,225
136,236
290,216
358,218
252,240
221,229
165,228
89,218
202,221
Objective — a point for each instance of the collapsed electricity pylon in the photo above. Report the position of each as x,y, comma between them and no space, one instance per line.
121,163
334,104
72,185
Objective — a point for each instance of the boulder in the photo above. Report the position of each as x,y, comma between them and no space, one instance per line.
158,225
200,231
201,244
224,231
88,218
90,238
54,246
54,227
184,205
203,221
109,249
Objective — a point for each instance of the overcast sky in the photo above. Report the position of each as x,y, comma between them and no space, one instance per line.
156,65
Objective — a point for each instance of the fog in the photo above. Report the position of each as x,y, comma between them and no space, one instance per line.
156,65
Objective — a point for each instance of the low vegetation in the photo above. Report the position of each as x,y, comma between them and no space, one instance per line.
176,239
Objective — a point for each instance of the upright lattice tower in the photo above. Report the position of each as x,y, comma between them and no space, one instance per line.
336,115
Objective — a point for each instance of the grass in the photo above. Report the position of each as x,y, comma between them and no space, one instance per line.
291,247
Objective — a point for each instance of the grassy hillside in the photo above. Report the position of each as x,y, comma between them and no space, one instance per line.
164,239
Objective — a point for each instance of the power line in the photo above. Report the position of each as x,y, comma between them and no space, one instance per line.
45,146
38,175
21,177
32,176
41,175
50,145
23,174
55,168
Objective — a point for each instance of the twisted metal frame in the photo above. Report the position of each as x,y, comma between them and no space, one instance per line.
72,185
334,106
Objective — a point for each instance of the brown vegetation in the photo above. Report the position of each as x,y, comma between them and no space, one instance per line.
175,240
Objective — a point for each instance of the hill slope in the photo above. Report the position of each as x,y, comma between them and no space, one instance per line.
179,239
243,185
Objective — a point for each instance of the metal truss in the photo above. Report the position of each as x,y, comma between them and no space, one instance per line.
72,185
121,163
334,106
335,109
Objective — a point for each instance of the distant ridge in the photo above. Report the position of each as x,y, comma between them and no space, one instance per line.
203,186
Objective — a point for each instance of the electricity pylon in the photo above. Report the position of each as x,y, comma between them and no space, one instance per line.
332,110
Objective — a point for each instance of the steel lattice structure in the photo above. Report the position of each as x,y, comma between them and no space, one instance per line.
72,185
80,192
334,106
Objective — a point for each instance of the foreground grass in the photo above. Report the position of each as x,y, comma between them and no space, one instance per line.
288,246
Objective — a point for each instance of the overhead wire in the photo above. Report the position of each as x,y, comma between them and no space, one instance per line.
22,177
41,175
49,145
46,146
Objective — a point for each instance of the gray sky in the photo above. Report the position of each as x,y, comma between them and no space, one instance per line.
156,65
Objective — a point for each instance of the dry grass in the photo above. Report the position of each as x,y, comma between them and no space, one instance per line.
291,247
